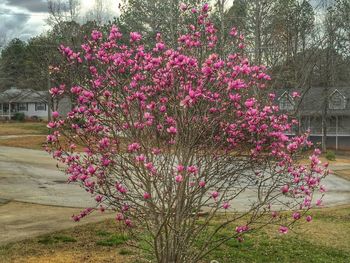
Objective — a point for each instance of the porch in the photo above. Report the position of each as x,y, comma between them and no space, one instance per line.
337,130
8,110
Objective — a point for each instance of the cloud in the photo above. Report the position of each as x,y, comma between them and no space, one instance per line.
35,6
17,24
12,24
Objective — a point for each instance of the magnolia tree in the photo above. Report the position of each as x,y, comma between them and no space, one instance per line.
170,137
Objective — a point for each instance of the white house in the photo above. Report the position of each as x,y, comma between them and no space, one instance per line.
33,104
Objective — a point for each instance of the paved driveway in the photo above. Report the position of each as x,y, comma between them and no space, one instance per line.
31,176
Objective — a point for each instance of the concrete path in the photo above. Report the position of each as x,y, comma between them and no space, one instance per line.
31,176
19,221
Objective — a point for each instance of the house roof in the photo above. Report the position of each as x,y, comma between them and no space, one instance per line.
23,95
313,99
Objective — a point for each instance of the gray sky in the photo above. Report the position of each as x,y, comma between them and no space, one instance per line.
22,18
26,18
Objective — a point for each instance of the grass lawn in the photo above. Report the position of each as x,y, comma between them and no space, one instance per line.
28,142
22,128
326,239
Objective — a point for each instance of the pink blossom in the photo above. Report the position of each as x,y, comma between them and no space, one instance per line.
149,166
134,147
178,178
160,46
104,143
295,94
91,169
242,229
214,194
308,218
283,230
135,36
119,217
128,222
226,205
296,215
192,169
183,6
180,168
156,151
318,202
55,114
202,184
146,195
171,130
205,8
249,103
95,35
285,189
233,32
140,158
98,198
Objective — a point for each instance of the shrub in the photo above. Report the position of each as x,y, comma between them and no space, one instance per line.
174,136
330,155
19,116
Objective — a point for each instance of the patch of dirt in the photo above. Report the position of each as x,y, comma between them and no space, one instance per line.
75,257
19,220
28,142
80,244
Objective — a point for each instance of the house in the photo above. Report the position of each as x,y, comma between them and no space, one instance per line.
310,111
33,104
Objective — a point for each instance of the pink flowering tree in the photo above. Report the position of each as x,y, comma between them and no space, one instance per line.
169,138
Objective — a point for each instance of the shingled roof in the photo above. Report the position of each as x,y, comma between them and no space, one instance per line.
23,96
313,99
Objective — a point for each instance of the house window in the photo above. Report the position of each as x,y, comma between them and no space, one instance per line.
337,101
286,102
22,106
39,106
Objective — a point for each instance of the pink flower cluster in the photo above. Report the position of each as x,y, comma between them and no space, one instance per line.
144,114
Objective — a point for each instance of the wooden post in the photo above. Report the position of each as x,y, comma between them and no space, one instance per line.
9,110
336,133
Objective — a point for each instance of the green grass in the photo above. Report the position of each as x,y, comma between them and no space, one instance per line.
262,248
113,240
124,251
325,239
48,240
23,128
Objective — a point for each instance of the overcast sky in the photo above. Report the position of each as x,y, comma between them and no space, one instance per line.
26,18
